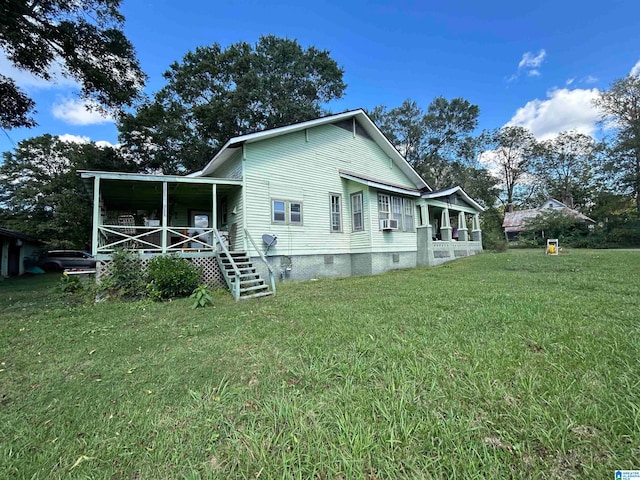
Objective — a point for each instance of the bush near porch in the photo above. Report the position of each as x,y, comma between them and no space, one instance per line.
517,365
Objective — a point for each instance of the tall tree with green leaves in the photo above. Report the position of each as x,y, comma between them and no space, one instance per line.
218,93
567,167
84,37
41,192
620,107
439,143
512,150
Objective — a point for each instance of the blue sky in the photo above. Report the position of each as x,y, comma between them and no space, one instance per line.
537,64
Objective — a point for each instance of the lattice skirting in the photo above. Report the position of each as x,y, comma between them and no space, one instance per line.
208,266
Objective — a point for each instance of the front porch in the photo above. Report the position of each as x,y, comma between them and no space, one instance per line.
161,214
446,236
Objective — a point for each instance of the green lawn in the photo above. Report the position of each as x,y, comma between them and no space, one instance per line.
515,365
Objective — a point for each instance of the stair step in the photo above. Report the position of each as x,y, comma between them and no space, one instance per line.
243,271
247,275
256,287
258,281
257,295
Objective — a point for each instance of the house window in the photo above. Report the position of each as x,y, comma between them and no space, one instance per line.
336,212
295,213
356,212
408,215
279,211
384,203
397,208
285,211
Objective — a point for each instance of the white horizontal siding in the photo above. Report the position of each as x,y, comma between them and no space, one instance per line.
304,166
232,168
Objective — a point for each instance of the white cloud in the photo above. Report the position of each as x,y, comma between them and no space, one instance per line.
69,138
27,80
79,112
635,71
589,79
529,60
529,64
570,81
562,110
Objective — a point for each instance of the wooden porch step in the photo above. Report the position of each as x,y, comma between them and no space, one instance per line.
256,287
258,295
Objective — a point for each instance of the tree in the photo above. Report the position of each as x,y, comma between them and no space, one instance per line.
512,151
405,127
567,166
84,36
439,143
41,192
620,106
215,94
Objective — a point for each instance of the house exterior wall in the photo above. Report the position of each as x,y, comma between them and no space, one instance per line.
304,167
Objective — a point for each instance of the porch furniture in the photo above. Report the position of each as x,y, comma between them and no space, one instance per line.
127,225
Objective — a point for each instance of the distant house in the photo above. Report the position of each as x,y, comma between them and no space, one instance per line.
15,248
326,197
516,222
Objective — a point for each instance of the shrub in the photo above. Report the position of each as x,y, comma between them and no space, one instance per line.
170,276
70,284
126,280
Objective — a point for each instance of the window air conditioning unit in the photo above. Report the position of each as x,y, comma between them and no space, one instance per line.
389,224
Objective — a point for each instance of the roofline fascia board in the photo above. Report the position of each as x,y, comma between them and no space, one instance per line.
380,186
158,178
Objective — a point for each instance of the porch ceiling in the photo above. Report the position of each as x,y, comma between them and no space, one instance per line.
131,194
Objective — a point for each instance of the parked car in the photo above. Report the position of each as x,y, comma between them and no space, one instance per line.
56,260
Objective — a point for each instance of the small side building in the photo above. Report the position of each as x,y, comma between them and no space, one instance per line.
15,248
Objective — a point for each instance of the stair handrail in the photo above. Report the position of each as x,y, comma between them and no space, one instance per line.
272,278
225,250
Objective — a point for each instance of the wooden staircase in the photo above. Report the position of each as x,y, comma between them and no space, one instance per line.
241,276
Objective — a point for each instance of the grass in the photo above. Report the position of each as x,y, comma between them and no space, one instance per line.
515,365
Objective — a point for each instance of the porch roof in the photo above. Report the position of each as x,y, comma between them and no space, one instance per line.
144,177
379,184
446,192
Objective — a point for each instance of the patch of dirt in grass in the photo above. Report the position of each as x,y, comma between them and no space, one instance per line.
496,442
585,431
564,464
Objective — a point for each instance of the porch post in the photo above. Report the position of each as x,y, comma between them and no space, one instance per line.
214,209
5,259
21,260
96,216
445,229
476,233
463,232
165,210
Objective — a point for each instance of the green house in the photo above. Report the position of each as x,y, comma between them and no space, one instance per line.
326,197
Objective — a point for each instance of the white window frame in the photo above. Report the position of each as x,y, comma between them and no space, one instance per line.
288,213
335,212
409,213
283,211
397,208
384,206
397,211
354,212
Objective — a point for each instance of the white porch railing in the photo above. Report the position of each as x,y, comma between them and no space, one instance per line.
159,239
